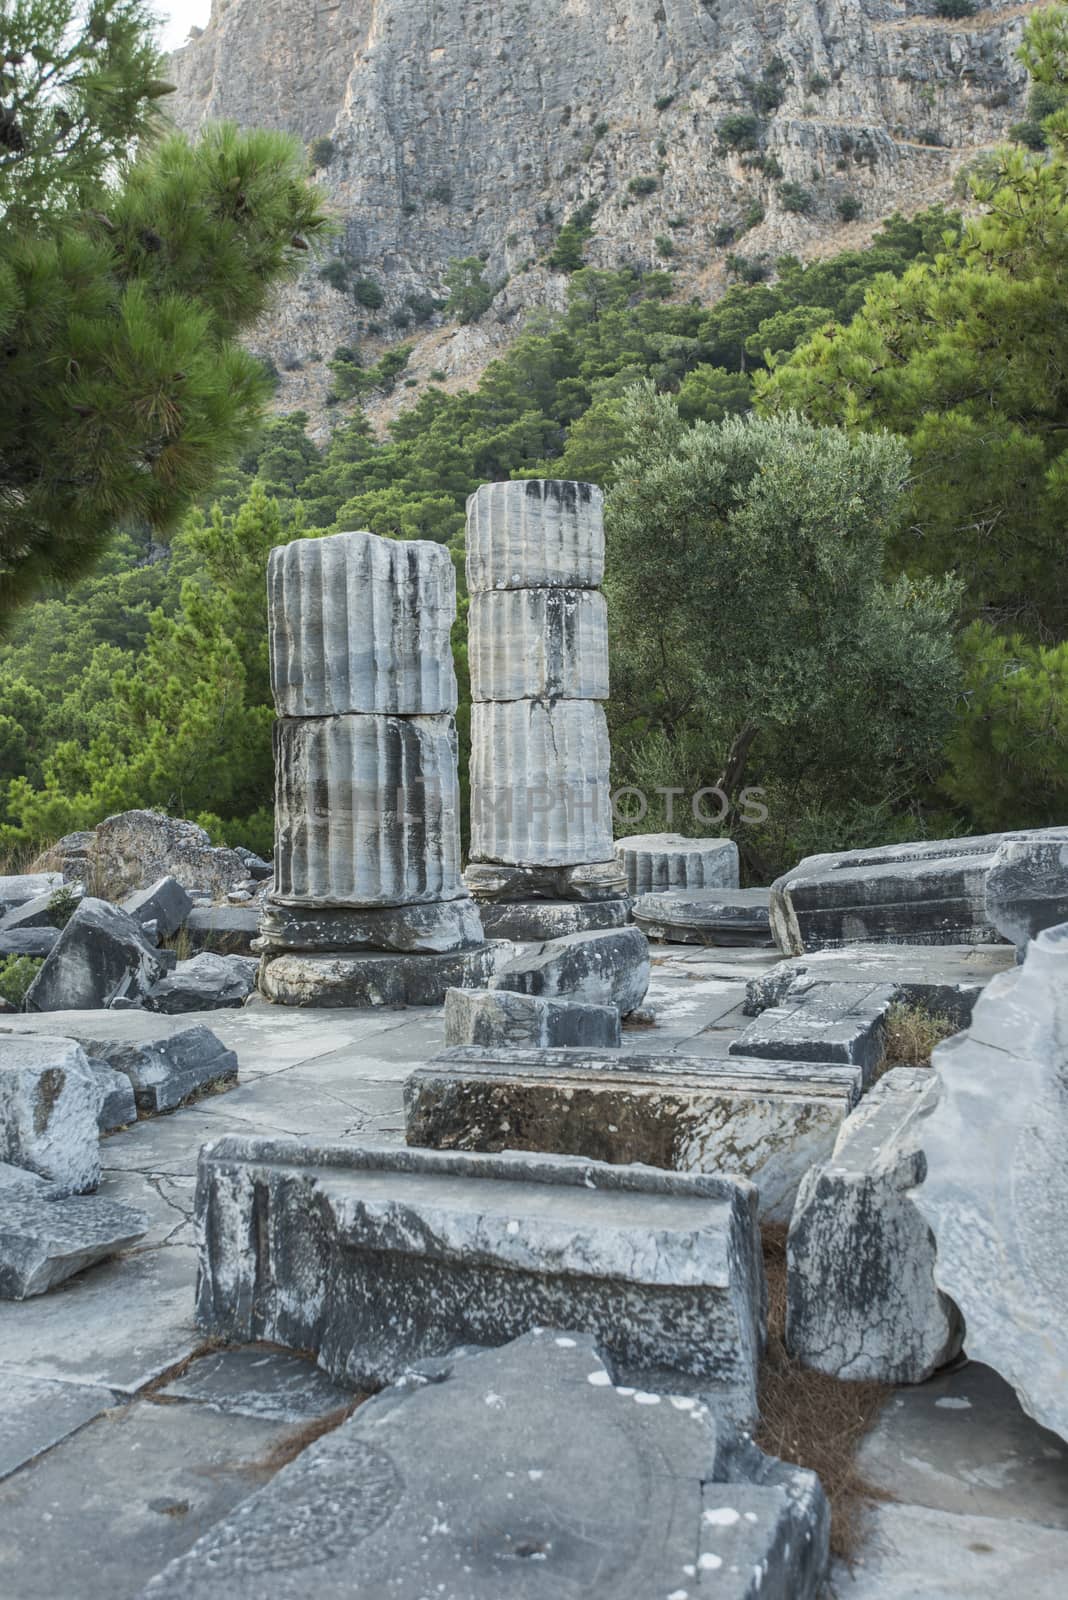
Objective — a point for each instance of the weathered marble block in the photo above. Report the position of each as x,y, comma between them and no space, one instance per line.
25,886
861,1295
1027,888
996,1189
377,978
651,861
49,1104
610,968
930,893
361,624
493,881
165,1063
705,916
535,534
366,811
100,956
539,920
840,1022
375,1257
495,1017
164,903
44,1241
540,783
946,980
482,1476
767,1121
431,929
534,644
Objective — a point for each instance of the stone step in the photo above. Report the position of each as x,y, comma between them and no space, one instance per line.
519,1472
374,1257
767,1121
838,1022
44,1240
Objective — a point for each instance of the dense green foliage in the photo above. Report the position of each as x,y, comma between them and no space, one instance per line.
126,275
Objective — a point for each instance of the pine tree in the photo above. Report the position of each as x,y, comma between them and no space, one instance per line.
128,269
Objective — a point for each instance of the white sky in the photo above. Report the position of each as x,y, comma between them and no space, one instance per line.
178,17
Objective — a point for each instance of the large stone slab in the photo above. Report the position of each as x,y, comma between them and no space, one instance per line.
372,978
361,623
947,980
166,1063
49,1103
654,861
207,982
705,916
534,644
366,811
525,1508
40,912
19,889
932,892
1027,888
100,956
491,882
227,929
376,1257
840,1022
34,942
256,1381
535,534
602,969
540,782
488,1018
767,1121
536,921
165,903
861,1295
45,1240
36,1413
434,929
914,1553
996,1189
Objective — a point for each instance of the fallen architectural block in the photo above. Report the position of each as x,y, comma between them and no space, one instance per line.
652,861
484,1475
166,1063
488,1017
165,902
840,1022
45,1239
932,892
373,978
603,969
49,1103
230,930
705,916
118,1107
41,911
375,1257
946,981
861,1295
35,942
1027,888
767,1121
208,982
540,920
996,1189
101,955
26,886
20,1181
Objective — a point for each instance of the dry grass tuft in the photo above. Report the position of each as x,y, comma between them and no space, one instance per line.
296,1442
814,1421
911,1033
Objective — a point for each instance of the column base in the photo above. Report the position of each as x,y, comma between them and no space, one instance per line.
376,978
438,928
524,920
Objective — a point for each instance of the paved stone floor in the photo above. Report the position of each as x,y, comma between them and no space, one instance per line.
113,1461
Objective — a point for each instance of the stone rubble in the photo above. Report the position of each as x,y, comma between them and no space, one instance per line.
118,1108
527,1508
1026,889
839,1022
45,1238
165,1066
861,1295
19,890
101,955
207,982
657,861
165,903
995,1193
49,1105
610,968
946,980
497,1018
375,1257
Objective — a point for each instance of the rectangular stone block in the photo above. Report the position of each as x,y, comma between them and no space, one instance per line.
535,534
540,783
487,1017
25,886
766,1121
839,1022
367,811
165,903
49,1104
361,623
947,981
45,1241
600,968
531,644
376,1257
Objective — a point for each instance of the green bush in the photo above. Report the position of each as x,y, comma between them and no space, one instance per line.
321,153
816,83
337,273
754,216
739,131
16,975
642,186
792,197
848,207
470,296
367,292
664,246
441,192
771,166
955,10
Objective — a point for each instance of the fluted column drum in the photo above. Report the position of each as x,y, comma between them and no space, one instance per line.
538,644
540,783
366,811
541,533
359,623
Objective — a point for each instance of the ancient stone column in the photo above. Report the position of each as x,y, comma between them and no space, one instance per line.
541,819
367,833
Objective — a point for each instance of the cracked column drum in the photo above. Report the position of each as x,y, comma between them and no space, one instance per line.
539,643
359,623
540,783
366,811
537,534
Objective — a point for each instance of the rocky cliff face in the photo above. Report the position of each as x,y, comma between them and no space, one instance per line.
476,127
